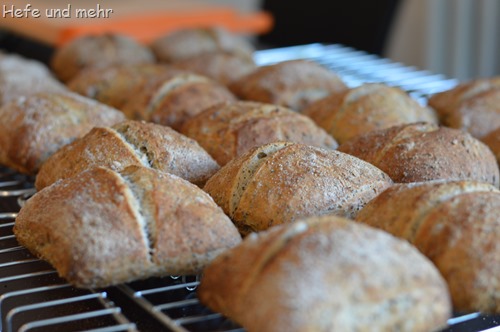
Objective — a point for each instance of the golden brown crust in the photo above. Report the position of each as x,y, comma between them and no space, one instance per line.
294,84
223,67
21,77
189,42
130,143
231,129
280,182
172,99
129,225
326,274
454,224
371,106
423,152
34,128
99,51
114,85
492,140
472,106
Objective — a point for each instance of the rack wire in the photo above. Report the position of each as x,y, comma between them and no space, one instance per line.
34,298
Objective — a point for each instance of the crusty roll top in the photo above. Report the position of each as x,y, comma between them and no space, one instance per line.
102,227
280,182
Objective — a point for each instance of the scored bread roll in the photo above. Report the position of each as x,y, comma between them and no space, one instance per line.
35,127
188,42
231,129
21,77
368,107
326,274
114,85
130,143
280,182
173,98
423,152
97,51
456,225
294,84
102,227
223,67
473,106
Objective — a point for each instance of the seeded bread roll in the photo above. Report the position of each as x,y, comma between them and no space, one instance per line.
423,152
473,106
223,67
368,107
34,128
173,98
456,225
326,274
97,51
130,143
294,84
188,42
231,129
102,227
492,140
114,85
21,77
280,182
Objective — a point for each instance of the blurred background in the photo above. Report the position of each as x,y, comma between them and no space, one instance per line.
458,38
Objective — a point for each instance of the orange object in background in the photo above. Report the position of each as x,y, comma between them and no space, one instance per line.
59,22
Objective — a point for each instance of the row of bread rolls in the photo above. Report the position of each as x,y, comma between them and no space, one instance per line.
275,184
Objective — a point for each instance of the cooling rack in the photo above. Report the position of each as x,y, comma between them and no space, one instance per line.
34,298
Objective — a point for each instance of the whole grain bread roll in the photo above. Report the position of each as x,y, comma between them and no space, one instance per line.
423,152
114,85
473,106
368,107
281,182
492,140
456,225
35,127
326,274
102,227
130,143
173,98
188,42
98,51
294,84
231,129
223,67
21,77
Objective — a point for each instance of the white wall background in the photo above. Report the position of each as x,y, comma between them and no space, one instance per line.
458,38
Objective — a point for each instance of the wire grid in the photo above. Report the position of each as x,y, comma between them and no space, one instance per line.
34,298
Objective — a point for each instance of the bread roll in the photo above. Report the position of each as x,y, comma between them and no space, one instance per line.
368,107
35,127
294,84
21,77
423,152
223,67
98,51
173,98
102,227
473,106
188,42
231,129
492,140
326,274
456,225
280,182
114,85
130,143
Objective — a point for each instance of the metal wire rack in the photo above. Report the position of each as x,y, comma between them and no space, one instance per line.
34,298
